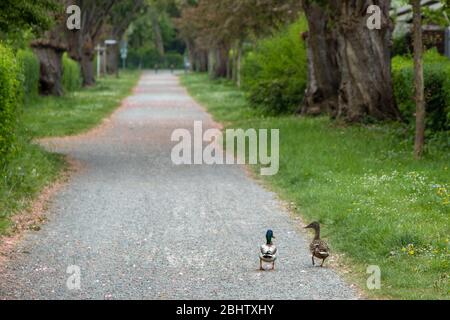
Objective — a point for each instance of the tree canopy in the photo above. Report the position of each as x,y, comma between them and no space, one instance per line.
16,15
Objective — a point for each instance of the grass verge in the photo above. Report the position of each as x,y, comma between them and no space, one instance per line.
31,168
78,111
377,205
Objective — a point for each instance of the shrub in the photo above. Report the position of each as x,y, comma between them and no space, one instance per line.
30,68
401,45
9,94
175,59
71,79
147,58
275,73
437,89
142,57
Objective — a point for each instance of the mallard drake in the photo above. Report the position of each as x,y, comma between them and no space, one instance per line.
268,251
318,248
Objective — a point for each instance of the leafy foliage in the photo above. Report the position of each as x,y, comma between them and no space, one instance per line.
439,16
143,51
210,22
16,15
401,45
9,94
437,89
29,64
71,74
275,73
173,59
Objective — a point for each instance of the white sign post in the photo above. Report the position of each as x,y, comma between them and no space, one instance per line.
99,50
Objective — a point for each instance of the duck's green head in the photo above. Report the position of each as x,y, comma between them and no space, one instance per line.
269,236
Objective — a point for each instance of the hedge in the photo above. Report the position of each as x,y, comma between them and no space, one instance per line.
174,59
71,79
147,58
437,89
9,100
275,73
30,69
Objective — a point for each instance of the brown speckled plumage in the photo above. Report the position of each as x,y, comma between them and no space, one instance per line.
318,247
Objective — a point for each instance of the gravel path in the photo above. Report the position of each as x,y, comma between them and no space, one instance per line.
140,227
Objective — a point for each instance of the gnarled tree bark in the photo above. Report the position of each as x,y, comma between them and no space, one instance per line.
81,43
349,64
321,95
49,53
121,17
200,61
364,62
218,60
81,49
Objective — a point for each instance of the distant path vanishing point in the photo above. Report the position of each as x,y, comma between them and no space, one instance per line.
140,227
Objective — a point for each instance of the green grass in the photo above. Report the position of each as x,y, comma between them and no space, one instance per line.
30,167
78,111
29,170
377,205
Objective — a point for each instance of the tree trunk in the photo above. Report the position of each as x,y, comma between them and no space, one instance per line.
220,62
203,61
211,63
87,70
50,59
364,62
112,65
321,95
418,80
239,65
81,43
349,64
229,68
191,55
234,65
81,49
197,57
158,39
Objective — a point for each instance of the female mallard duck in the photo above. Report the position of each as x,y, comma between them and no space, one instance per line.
268,251
318,248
